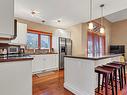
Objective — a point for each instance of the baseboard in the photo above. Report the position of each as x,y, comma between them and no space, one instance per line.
74,90
46,70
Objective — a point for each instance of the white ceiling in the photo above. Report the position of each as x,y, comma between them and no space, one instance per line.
70,12
118,16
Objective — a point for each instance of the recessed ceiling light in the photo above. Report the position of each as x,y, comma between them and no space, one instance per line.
58,20
34,12
43,21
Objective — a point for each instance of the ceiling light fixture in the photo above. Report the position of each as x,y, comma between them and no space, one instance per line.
33,13
102,30
90,26
58,21
43,21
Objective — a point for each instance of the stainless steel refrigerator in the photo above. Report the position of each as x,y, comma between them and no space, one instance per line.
65,48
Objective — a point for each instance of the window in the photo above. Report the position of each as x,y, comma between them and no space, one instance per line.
39,40
45,41
96,44
32,40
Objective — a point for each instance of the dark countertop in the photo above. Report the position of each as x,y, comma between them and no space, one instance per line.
93,57
16,58
43,53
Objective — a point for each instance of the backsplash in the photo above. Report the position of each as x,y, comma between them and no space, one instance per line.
37,51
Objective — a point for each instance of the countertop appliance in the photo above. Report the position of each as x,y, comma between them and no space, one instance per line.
13,49
65,48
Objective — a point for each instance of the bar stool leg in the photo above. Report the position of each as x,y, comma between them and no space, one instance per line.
124,74
102,83
98,82
106,84
120,79
115,72
112,84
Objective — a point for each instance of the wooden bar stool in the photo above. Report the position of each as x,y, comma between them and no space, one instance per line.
123,71
116,68
123,64
106,72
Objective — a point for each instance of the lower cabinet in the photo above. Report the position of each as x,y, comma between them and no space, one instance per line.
45,62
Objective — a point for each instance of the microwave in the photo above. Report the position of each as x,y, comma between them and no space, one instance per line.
13,49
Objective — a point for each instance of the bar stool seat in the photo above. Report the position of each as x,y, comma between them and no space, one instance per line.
106,72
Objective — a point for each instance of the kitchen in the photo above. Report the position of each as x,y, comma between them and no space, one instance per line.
43,45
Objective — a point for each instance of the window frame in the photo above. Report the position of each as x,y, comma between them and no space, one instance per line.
39,36
94,33
92,38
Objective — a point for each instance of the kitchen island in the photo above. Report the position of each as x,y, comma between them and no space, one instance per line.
16,75
79,72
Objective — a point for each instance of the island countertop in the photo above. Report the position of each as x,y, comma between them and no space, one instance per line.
97,57
17,58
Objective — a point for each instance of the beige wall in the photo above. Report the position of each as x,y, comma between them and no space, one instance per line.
84,38
76,33
37,26
119,33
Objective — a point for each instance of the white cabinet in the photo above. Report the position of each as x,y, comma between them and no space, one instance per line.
51,61
21,34
37,63
6,18
45,62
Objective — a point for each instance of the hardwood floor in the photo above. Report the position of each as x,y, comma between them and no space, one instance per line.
52,84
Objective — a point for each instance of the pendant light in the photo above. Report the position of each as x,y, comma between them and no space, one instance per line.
102,30
90,23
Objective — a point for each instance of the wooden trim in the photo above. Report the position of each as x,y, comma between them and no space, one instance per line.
97,23
50,43
4,38
87,43
39,32
93,43
39,41
104,44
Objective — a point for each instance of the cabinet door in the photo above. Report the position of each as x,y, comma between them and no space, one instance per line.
6,18
38,63
55,60
47,61
51,62
21,34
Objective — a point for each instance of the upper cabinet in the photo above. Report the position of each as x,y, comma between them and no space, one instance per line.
6,18
21,34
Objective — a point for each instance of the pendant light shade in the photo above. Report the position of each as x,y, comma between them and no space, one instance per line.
91,26
102,30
